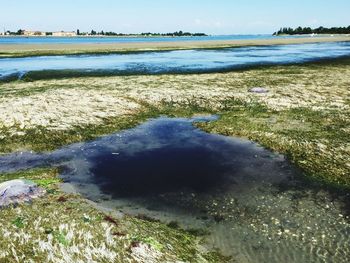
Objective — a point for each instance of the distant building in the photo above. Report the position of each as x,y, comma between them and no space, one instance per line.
64,34
33,33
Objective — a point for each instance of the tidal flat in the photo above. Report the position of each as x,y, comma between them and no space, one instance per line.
304,115
28,50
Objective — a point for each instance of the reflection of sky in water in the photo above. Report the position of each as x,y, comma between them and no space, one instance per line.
251,200
172,141
177,61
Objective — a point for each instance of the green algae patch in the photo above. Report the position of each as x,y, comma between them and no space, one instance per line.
43,177
55,228
64,226
41,139
314,140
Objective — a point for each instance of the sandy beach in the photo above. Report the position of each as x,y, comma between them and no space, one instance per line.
20,50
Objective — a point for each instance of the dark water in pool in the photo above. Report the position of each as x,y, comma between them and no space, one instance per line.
180,61
254,204
157,171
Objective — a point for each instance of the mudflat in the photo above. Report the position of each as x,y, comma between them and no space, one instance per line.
13,50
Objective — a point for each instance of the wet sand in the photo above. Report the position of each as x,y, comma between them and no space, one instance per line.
40,49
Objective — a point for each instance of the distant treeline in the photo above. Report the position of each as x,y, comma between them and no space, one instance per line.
308,30
174,34
16,33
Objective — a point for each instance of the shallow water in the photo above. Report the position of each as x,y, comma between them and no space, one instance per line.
253,203
180,61
104,40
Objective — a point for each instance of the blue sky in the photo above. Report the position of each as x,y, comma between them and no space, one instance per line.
133,16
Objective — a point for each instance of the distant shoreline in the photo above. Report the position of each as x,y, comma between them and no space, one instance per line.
160,36
24,50
100,36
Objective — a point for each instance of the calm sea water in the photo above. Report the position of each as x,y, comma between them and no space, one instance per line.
253,203
96,40
181,61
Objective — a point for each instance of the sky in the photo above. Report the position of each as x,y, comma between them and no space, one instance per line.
214,17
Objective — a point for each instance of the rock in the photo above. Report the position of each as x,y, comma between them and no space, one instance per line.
258,90
18,191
